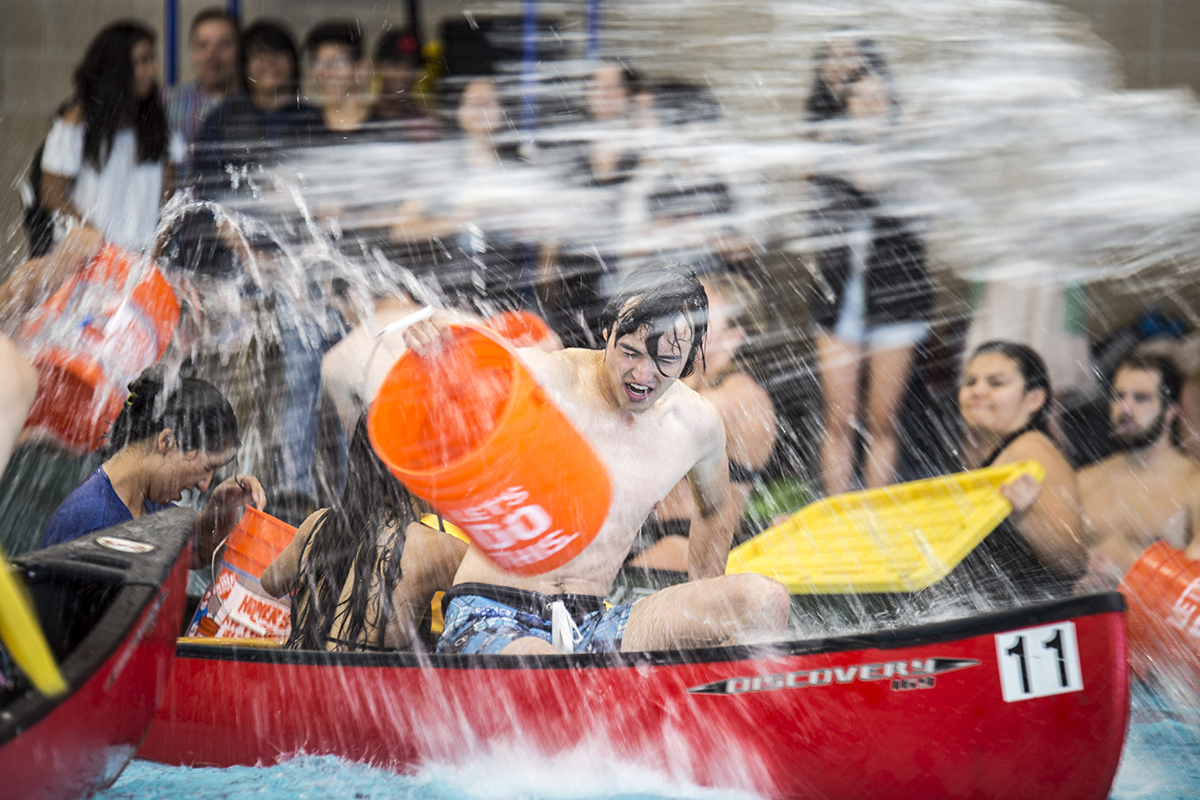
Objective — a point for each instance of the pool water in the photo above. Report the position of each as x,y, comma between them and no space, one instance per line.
1161,762
499,776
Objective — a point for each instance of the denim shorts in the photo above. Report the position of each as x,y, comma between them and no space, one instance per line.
477,623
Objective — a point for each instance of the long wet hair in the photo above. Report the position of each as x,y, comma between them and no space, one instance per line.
104,91
195,411
655,296
1033,373
345,539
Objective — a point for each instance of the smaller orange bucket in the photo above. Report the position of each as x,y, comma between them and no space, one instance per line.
474,434
235,605
1162,590
520,328
255,542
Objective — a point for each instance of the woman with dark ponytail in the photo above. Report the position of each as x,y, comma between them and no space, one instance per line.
1005,400
107,161
362,573
170,437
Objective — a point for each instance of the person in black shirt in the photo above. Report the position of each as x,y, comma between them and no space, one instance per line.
239,138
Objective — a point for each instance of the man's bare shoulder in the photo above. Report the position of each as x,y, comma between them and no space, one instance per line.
696,413
1189,471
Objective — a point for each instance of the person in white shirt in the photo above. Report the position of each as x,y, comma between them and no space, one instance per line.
108,159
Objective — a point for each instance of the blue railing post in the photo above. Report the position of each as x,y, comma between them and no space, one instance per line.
529,59
593,29
170,45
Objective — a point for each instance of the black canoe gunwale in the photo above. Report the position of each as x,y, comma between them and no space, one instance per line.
133,580
896,638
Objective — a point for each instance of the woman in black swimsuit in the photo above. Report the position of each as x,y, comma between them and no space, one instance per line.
1036,553
362,573
734,314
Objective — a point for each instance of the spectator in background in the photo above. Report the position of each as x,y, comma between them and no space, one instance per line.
1149,491
581,264
871,300
840,62
610,104
473,215
241,135
340,76
108,159
398,63
679,206
213,45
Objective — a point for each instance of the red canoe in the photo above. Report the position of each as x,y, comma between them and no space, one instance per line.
111,611
1028,703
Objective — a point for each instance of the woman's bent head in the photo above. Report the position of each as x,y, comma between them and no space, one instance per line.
187,427
1005,387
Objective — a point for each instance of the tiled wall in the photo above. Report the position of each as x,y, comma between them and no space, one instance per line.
41,41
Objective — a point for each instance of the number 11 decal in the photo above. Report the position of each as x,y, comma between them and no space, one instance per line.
1038,662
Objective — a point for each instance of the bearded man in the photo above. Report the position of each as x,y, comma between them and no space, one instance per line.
1149,490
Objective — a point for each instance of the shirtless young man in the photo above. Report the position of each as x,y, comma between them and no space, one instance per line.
650,431
1148,491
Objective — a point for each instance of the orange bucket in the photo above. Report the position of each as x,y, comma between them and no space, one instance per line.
520,328
235,605
1162,590
473,433
255,542
108,341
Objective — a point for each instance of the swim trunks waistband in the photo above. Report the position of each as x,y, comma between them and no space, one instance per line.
577,605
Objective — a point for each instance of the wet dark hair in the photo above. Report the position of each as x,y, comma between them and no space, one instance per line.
1033,372
210,14
104,92
346,538
192,243
194,410
1170,381
344,32
630,78
655,296
272,37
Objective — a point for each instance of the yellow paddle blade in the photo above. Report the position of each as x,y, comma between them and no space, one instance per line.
22,635
898,538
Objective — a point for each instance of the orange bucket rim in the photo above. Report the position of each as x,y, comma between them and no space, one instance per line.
505,413
262,517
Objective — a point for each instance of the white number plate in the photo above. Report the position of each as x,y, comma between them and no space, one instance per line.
1039,662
